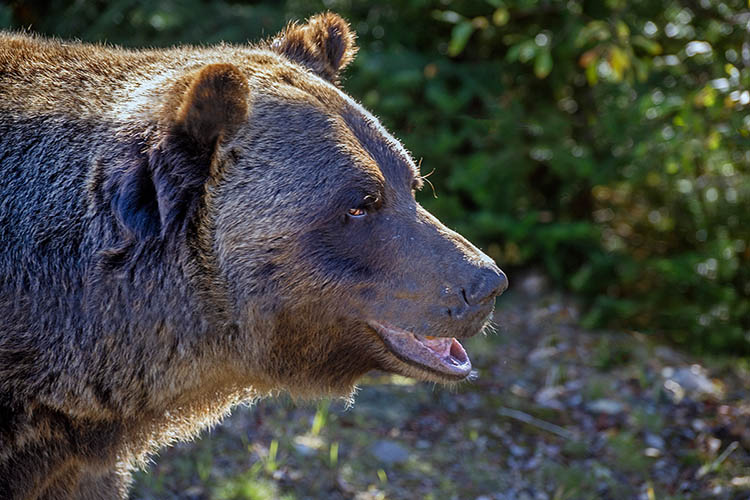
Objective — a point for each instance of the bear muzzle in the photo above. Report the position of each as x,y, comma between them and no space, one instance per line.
469,311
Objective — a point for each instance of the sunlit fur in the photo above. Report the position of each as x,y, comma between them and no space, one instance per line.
175,242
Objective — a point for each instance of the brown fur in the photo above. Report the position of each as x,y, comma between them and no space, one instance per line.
176,241
214,104
325,44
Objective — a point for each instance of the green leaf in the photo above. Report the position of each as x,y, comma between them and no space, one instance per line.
447,16
591,74
542,64
501,16
650,46
460,37
513,53
619,62
595,31
524,51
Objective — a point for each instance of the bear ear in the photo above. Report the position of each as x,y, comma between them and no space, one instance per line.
326,44
214,104
161,193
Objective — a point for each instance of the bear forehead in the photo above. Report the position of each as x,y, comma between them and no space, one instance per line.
300,103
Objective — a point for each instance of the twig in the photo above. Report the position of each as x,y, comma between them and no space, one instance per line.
536,422
712,466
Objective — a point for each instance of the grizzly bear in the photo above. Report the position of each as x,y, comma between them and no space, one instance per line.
190,228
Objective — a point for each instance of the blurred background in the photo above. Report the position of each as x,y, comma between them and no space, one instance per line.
599,151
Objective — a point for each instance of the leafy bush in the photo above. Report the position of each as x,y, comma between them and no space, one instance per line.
608,142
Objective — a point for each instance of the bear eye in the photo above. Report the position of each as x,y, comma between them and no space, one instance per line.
368,205
356,212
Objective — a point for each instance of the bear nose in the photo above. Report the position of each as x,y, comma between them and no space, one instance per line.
490,283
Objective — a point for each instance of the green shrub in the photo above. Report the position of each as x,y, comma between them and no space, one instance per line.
608,142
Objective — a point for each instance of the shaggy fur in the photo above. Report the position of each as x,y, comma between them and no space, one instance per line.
175,240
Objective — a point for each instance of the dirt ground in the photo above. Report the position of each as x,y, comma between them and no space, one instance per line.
555,412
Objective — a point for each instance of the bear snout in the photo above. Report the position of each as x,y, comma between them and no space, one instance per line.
487,284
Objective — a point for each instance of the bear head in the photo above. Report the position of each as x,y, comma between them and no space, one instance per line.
306,224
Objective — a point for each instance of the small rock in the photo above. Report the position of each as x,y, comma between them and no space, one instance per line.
534,284
307,445
193,492
532,464
389,452
481,443
521,389
524,495
574,385
344,486
690,381
471,401
713,444
551,450
606,406
548,397
654,441
304,450
541,353
699,425
601,472
741,482
668,355
517,451
574,400
423,444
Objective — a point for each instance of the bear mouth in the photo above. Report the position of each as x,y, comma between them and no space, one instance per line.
443,356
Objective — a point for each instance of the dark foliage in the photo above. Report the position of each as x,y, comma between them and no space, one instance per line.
608,142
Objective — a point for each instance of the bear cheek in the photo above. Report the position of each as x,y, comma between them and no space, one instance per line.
309,358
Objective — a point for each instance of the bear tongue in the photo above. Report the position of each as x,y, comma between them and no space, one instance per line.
440,345
445,347
444,355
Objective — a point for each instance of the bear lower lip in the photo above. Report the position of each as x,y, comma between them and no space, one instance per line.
444,356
